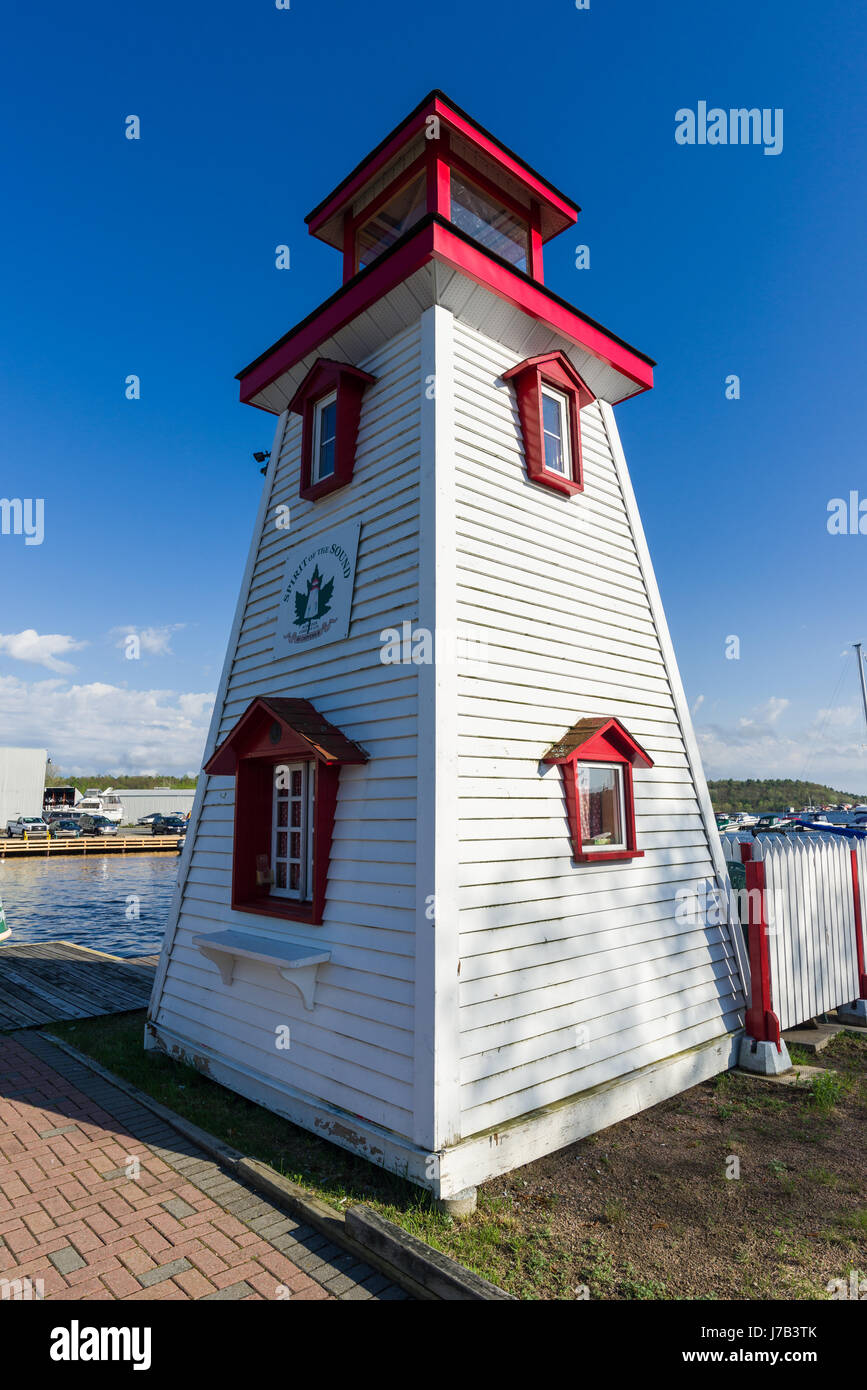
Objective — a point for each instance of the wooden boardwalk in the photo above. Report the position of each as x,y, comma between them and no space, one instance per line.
44,982
49,848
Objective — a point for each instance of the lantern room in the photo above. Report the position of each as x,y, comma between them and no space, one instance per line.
440,162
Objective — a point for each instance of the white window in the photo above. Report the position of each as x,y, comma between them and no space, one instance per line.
292,832
324,437
555,428
601,807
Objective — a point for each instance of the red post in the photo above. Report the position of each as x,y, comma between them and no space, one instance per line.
859,928
761,1021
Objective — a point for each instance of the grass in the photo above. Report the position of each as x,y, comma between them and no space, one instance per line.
538,1239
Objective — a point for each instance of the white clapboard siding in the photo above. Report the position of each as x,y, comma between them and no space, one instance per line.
355,1049
811,924
554,593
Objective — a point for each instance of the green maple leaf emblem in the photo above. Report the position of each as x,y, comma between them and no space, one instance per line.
302,600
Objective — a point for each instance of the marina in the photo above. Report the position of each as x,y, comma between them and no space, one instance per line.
116,904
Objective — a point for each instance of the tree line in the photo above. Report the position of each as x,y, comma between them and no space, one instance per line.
766,794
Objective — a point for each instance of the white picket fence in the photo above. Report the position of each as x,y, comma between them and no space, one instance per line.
810,912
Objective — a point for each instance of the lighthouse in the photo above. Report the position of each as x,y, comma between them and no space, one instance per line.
458,882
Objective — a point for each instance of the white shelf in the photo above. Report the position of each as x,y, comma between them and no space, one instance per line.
297,964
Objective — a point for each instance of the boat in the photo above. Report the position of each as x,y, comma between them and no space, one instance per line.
5,932
97,803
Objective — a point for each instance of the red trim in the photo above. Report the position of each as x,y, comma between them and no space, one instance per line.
761,1021
557,371
472,260
450,114
269,733
350,383
439,176
537,265
859,928
433,239
602,856
610,743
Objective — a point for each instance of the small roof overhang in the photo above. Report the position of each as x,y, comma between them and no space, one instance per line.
597,738
283,727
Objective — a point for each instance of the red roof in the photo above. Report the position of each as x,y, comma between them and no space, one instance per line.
297,721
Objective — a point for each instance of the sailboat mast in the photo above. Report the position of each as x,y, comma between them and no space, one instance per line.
857,646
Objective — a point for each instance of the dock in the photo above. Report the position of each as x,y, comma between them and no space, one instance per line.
48,848
50,981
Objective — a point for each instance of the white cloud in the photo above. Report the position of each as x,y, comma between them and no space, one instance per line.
153,640
835,755
697,706
101,727
44,650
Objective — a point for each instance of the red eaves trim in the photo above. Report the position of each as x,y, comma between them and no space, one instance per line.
437,103
433,238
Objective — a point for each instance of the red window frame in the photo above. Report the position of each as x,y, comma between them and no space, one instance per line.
598,741
350,383
555,370
271,733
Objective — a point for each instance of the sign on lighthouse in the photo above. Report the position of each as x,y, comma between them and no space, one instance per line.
316,593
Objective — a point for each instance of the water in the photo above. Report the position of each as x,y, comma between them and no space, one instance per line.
117,903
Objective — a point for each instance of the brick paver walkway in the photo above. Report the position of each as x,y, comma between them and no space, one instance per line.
179,1227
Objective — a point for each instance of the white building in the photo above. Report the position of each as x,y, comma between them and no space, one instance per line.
429,909
165,801
22,782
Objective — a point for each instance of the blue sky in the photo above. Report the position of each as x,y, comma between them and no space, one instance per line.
156,257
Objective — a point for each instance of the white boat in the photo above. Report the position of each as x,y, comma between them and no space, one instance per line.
97,803
5,931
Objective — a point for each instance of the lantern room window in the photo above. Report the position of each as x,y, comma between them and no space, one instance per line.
489,222
383,228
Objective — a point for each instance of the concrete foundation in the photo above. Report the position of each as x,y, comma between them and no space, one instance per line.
856,1013
460,1205
763,1057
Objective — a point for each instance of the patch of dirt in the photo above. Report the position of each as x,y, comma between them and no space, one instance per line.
647,1209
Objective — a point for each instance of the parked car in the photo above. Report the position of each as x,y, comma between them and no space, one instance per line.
148,819
98,825
61,829
168,825
20,826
